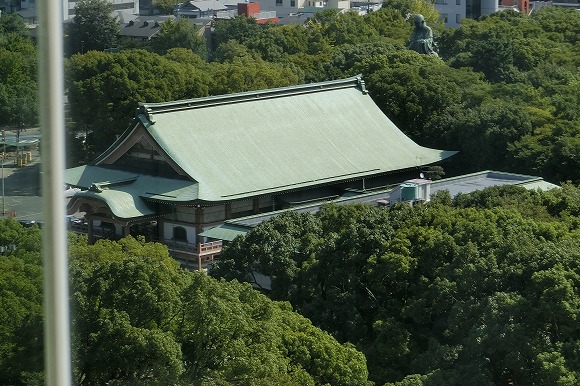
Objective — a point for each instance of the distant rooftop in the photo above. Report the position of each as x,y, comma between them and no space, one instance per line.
461,184
480,180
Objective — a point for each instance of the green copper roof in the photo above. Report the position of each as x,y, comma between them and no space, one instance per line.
253,143
85,176
153,188
124,204
226,232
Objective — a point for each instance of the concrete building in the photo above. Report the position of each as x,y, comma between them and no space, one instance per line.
453,11
292,8
27,8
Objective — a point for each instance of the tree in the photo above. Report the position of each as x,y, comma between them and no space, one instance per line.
415,91
137,318
124,294
11,23
231,332
165,7
136,76
345,28
179,34
18,77
247,74
18,85
240,28
408,8
92,28
21,297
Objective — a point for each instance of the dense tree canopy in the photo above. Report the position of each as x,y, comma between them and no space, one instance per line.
481,290
18,75
21,307
179,34
137,318
478,290
136,76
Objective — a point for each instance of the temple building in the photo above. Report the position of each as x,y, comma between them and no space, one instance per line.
185,167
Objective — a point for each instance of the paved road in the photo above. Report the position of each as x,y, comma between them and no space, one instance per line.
22,196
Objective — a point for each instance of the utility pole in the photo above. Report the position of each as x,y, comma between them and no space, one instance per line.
3,159
18,144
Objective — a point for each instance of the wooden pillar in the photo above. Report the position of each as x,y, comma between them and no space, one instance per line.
199,220
126,230
160,226
228,210
256,202
199,260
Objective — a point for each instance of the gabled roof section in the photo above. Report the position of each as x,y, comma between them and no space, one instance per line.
269,141
202,5
144,27
104,180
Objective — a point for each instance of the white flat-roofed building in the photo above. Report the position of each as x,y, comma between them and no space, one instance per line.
28,8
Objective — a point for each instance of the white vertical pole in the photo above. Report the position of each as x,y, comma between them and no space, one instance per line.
56,296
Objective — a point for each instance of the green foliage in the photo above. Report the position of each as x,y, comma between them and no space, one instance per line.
344,28
21,298
92,28
136,76
179,34
239,28
480,290
138,319
18,75
165,7
125,294
11,23
408,8
234,334
243,73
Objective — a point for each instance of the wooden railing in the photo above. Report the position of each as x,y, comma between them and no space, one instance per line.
195,256
211,248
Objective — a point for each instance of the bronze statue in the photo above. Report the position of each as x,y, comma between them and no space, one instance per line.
422,38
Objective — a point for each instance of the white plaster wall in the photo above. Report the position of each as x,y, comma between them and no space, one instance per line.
190,231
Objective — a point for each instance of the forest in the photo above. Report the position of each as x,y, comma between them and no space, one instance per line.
478,289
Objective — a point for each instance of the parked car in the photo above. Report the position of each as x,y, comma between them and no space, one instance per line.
30,223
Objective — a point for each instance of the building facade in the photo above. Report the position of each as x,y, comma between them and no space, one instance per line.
27,8
185,167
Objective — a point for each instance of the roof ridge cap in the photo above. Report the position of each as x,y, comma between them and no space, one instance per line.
150,108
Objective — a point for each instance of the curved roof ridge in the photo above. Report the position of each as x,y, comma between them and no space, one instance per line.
148,109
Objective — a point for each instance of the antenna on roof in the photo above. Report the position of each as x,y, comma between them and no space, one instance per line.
421,175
